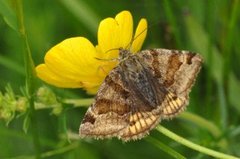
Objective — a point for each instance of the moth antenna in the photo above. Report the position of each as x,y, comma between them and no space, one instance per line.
112,49
111,59
140,33
134,38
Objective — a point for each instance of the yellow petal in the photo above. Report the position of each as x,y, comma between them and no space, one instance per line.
92,90
71,61
115,33
60,81
125,22
75,56
140,35
76,63
51,78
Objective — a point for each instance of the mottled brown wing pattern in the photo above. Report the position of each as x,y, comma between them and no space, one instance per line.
120,110
143,89
177,71
107,115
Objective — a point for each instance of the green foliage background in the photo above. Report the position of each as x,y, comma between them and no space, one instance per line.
211,28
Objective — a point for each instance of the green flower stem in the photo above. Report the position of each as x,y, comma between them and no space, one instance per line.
75,102
192,145
209,126
79,102
30,74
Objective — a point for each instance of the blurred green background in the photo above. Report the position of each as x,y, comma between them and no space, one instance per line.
211,28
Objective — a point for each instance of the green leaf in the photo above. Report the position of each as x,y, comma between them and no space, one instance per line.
234,91
26,123
12,65
200,41
84,13
165,148
8,14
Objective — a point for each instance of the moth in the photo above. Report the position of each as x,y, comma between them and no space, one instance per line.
143,89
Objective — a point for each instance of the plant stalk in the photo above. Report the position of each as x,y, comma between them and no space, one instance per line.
192,145
30,74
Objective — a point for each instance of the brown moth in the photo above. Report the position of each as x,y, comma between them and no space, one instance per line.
143,89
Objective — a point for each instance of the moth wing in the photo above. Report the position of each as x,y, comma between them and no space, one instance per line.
116,112
177,71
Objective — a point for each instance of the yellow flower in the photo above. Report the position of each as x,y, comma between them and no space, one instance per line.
76,62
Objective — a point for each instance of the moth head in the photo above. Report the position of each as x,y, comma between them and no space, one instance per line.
124,53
